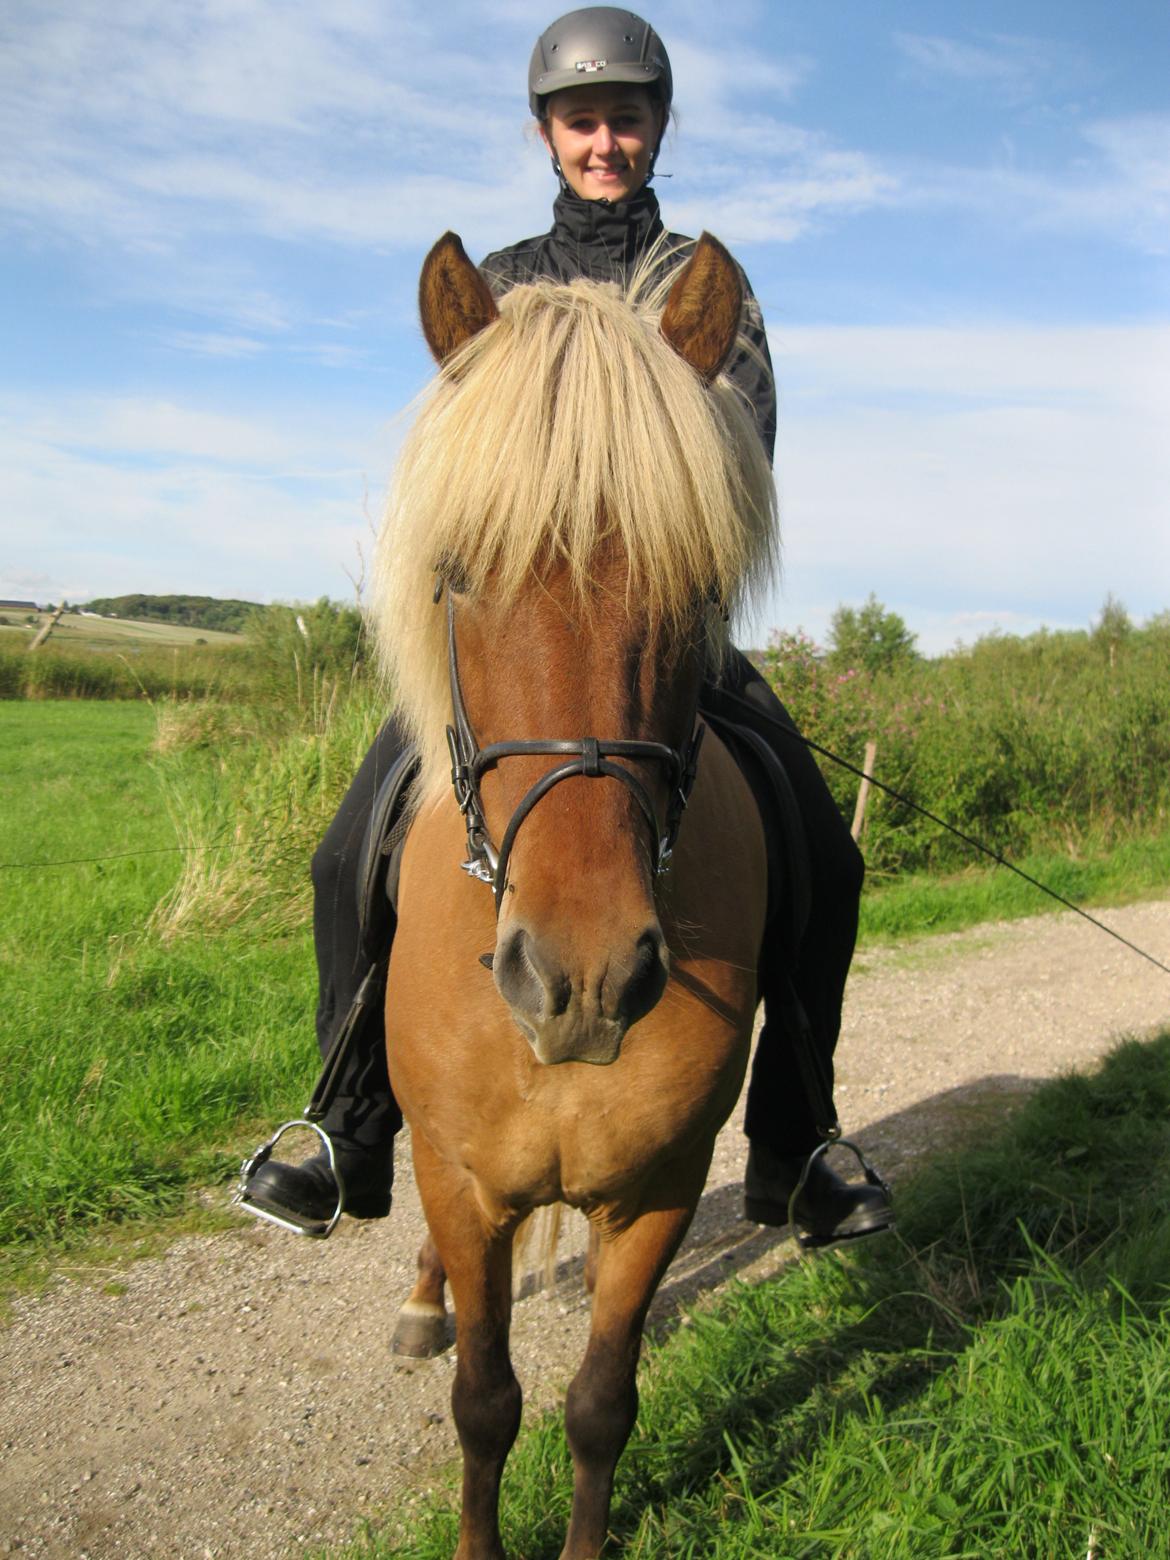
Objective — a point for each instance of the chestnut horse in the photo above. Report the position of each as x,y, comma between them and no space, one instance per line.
581,501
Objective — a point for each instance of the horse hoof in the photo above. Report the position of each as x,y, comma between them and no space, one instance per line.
421,1333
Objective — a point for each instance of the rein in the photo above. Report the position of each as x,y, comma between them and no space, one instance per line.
587,756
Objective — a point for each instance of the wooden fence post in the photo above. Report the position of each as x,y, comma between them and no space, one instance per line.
47,628
863,791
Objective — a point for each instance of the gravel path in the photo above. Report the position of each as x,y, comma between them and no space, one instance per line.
239,1397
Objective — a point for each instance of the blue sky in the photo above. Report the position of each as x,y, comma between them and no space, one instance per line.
957,219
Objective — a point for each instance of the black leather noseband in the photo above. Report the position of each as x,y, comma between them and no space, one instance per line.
587,756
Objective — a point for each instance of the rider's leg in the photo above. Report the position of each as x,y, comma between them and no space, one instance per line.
780,1119
363,1116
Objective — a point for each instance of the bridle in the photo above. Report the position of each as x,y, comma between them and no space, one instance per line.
586,756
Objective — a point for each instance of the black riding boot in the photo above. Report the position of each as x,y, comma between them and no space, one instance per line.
828,1209
308,1192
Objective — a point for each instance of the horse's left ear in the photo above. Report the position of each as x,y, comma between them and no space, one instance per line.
453,299
701,318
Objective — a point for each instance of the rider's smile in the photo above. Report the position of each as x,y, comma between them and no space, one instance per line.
604,138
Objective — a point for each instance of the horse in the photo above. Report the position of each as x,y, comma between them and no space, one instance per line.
581,502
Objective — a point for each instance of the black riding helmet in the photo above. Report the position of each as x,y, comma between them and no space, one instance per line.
598,43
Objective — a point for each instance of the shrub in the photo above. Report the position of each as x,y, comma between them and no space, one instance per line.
1025,743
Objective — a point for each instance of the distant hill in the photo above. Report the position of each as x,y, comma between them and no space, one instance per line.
186,611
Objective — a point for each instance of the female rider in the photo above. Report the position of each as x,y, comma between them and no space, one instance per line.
600,88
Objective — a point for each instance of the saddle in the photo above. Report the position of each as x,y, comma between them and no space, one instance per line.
789,886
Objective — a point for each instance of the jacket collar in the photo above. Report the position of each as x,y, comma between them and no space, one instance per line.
601,237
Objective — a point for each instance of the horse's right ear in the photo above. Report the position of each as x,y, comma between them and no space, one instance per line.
453,299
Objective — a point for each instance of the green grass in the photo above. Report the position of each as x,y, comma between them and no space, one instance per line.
134,1071
991,1382
915,904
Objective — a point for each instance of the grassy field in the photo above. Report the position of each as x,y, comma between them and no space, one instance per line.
77,632
276,666
140,1069
918,903
987,1384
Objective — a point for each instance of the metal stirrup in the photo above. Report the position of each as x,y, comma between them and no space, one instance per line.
319,1229
324,1093
808,1242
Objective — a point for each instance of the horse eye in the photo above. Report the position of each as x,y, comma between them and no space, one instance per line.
452,573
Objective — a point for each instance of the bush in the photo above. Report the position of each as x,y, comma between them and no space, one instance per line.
1025,743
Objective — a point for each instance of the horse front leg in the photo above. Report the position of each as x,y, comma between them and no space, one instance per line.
485,1397
602,1401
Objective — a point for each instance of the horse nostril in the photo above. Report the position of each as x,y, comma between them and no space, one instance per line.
644,981
528,979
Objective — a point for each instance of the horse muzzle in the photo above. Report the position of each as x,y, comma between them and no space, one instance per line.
574,1010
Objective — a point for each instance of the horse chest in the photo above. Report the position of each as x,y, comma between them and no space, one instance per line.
585,1134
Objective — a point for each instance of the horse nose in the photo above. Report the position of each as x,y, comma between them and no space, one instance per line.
530,975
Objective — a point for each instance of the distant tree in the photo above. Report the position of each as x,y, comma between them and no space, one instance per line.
1112,628
229,616
869,638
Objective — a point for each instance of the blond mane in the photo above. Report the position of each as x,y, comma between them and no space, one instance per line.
567,424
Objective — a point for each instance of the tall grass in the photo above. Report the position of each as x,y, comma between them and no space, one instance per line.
249,838
988,1383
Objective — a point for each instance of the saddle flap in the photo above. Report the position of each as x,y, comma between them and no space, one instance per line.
381,856
789,885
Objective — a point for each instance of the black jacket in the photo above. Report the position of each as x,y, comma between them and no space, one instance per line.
604,242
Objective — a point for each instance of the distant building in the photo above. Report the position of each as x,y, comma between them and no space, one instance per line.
18,606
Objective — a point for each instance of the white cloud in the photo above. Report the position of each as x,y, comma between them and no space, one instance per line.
1016,67
1120,366
770,209
1114,187
711,84
148,127
142,125
213,344
972,477
100,497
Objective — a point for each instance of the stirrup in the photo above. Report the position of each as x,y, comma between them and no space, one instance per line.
809,1242
318,1229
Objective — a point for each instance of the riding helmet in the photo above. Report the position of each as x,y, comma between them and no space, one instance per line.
597,43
